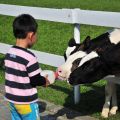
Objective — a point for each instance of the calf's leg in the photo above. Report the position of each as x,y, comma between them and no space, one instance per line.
108,95
114,100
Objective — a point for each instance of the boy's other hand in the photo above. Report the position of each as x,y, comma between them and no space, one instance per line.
47,81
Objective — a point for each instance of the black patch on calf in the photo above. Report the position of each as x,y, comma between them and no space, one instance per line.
82,46
75,64
86,44
102,42
91,71
72,43
65,57
112,59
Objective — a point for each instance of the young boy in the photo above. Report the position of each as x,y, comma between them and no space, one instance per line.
22,73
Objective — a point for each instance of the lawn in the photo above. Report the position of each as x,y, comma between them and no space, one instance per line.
57,34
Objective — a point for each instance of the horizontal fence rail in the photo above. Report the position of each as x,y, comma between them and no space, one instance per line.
49,14
45,58
99,18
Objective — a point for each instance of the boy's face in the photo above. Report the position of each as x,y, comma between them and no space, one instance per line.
32,38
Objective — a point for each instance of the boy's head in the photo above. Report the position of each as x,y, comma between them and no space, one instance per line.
25,27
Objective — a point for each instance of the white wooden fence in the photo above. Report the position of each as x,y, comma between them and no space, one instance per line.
73,16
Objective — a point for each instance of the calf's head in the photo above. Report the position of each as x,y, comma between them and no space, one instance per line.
89,72
73,55
70,65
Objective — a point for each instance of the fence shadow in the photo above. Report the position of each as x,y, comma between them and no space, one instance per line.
91,102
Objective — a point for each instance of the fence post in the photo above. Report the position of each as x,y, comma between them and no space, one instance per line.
76,88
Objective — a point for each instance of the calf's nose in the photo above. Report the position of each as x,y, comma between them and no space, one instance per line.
59,70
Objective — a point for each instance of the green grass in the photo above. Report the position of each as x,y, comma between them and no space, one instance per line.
53,38
109,5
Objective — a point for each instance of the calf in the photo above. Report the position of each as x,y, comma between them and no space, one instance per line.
95,65
98,44
108,63
97,68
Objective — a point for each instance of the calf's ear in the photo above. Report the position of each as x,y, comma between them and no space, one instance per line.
87,41
71,42
85,44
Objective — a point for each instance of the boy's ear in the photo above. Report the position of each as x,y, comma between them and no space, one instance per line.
30,35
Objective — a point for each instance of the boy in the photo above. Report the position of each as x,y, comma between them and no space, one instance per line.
22,73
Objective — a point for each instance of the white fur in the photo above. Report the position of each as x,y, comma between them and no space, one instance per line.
66,68
88,57
115,36
69,50
78,54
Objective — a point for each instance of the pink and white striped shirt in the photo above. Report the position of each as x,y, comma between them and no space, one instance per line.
21,67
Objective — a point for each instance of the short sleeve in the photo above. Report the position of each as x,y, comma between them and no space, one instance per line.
33,67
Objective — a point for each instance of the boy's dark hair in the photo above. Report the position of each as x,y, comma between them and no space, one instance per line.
23,24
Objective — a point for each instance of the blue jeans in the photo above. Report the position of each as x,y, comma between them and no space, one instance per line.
24,112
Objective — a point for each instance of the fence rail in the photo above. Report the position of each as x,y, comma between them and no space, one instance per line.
99,18
42,57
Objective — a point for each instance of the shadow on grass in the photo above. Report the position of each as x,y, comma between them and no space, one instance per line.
2,64
90,102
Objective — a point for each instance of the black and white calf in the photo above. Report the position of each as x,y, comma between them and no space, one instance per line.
108,63
99,58
98,44
97,68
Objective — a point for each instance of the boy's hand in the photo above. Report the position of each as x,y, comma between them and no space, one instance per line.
49,75
47,81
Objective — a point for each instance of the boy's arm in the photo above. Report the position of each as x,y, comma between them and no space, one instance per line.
39,80
34,74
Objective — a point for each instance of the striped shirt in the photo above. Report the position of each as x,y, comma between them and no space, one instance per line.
22,75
